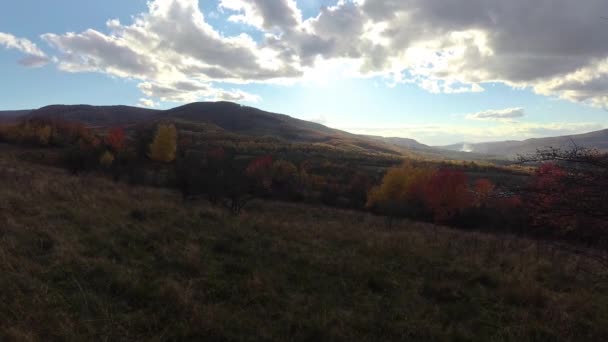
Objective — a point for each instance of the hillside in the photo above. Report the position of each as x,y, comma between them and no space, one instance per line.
402,142
252,121
96,115
233,118
230,117
597,140
84,258
7,116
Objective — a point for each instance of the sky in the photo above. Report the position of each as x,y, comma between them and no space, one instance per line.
439,71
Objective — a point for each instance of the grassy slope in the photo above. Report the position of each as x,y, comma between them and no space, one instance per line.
83,258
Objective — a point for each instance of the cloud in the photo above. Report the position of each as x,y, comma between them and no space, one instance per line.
555,48
277,14
191,91
174,52
497,114
34,56
147,103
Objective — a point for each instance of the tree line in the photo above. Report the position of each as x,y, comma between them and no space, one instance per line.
566,191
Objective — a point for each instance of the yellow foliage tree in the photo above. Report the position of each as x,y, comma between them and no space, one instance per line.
164,146
400,185
43,133
401,192
106,159
283,171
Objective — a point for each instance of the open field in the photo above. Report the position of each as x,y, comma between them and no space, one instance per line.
83,258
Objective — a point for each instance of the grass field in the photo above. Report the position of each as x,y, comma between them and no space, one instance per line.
83,258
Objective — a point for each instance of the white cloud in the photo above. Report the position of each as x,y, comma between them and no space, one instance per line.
174,52
191,91
147,103
497,114
34,56
555,48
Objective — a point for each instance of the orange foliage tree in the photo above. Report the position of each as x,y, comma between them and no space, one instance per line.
447,194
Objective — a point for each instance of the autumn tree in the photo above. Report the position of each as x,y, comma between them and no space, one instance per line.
259,172
483,191
447,194
357,189
569,190
284,175
115,139
106,159
43,134
401,192
164,146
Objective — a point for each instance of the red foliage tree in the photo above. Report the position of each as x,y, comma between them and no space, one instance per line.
217,153
259,166
116,139
483,191
447,194
259,171
548,190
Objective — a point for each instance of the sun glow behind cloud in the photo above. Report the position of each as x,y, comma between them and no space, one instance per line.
175,52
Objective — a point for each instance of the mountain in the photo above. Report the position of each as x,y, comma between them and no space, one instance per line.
12,115
224,116
96,115
510,149
248,121
402,142
252,121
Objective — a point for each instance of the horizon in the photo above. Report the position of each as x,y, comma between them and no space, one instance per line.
464,143
457,74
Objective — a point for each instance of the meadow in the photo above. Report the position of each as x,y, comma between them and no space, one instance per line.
86,258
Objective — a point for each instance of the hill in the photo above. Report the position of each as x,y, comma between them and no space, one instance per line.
232,118
252,121
84,258
7,116
229,117
510,149
402,142
96,115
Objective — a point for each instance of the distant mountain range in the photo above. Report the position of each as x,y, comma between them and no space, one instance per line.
243,120
597,140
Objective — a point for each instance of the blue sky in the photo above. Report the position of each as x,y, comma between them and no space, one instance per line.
453,74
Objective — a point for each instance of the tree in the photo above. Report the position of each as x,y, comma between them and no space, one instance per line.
116,139
43,134
284,177
569,190
164,146
358,188
483,191
259,172
106,159
447,194
401,192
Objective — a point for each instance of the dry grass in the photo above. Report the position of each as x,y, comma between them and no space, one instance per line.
83,258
